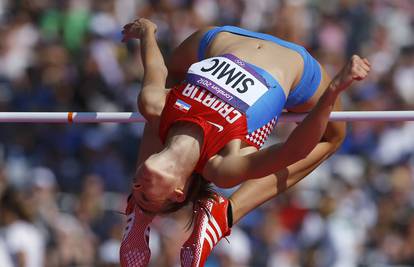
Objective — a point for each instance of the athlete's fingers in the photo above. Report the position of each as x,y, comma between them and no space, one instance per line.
359,67
355,58
359,74
365,66
127,29
125,33
127,26
363,69
358,71
366,61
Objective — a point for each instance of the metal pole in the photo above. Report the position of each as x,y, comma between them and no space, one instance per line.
131,117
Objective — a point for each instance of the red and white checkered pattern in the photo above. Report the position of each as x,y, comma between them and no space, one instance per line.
135,251
259,136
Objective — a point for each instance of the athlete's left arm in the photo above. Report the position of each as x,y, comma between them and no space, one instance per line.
151,99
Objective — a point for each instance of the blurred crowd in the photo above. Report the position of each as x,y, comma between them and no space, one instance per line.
63,187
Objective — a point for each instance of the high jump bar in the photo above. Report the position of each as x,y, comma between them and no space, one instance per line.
131,117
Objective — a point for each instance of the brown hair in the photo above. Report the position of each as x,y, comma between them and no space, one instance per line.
199,188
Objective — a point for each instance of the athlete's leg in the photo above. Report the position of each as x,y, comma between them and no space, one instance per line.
254,193
183,56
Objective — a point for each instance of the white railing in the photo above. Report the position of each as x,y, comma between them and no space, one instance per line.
130,117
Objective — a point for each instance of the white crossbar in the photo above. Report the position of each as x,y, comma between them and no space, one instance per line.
130,117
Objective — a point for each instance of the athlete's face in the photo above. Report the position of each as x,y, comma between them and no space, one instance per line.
155,189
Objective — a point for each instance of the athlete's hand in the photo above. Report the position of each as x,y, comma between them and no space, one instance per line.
357,69
138,29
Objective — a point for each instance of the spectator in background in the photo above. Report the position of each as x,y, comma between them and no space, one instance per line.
43,202
108,251
22,239
52,59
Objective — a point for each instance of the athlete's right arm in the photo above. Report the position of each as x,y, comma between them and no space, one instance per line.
331,140
231,170
151,99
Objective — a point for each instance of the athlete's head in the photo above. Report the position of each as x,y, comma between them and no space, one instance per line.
157,191
155,187
165,179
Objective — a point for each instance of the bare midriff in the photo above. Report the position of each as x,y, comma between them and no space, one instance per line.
282,63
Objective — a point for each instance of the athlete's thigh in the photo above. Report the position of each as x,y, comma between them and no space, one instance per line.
308,105
184,55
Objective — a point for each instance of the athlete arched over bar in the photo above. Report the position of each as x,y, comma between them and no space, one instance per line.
235,84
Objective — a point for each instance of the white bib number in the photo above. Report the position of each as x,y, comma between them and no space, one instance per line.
228,79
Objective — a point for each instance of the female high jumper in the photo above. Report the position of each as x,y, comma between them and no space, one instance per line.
209,129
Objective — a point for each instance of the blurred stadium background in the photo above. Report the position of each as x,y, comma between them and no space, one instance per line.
62,186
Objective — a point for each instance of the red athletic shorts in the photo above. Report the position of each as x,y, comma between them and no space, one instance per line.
220,121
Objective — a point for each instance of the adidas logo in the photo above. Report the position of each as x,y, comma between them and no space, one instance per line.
213,232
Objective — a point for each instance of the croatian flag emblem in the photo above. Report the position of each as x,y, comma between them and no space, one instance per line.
181,105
